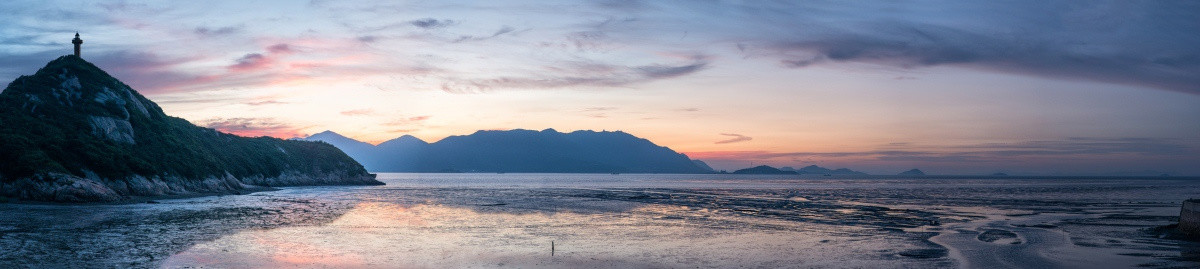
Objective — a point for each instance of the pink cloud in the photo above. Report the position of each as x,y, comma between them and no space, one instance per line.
358,112
253,127
280,48
734,138
409,121
252,61
265,102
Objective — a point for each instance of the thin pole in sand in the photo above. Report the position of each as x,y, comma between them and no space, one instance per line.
552,248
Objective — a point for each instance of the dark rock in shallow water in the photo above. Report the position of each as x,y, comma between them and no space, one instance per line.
1040,225
1189,218
998,236
928,253
1172,232
72,133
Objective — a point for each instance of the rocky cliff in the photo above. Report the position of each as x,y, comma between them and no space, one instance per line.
72,133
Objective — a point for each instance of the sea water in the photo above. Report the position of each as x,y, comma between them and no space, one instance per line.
624,221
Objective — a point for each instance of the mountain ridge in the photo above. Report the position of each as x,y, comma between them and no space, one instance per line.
807,170
521,150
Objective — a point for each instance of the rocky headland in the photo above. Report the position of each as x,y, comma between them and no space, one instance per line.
73,133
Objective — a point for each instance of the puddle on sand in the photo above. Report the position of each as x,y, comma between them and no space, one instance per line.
1019,239
386,235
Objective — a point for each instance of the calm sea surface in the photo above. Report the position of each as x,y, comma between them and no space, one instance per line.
624,221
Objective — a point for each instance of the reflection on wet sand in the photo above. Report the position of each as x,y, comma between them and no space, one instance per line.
621,221
386,235
140,235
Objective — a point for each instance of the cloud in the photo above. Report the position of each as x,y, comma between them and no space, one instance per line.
590,41
210,32
599,108
1098,150
736,138
265,102
148,72
431,23
623,5
1080,146
1148,44
408,121
367,38
260,61
252,127
280,49
466,38
251,61
18,64
597,111
666,71
358,112
580,74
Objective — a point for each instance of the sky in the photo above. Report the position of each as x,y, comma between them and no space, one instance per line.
950,87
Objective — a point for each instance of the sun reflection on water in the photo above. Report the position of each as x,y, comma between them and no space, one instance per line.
390,235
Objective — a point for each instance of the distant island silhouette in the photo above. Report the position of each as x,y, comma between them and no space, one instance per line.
913,172
807,170
763,170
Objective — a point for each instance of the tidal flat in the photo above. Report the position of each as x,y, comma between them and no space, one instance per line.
623,221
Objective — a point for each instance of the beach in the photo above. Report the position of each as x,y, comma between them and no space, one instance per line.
623,221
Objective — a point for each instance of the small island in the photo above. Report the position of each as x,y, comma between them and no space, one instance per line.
764,170
913,172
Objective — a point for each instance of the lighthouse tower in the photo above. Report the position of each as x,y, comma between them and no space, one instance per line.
77,42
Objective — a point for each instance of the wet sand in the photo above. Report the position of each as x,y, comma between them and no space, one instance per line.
626,221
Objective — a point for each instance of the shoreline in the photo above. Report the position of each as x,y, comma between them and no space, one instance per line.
65,188
128,200
833,176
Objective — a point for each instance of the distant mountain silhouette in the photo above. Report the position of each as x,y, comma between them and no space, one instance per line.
518,151
763,170
913,172
807,170
813,169
72,133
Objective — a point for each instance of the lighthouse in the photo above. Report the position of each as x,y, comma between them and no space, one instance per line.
77,42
